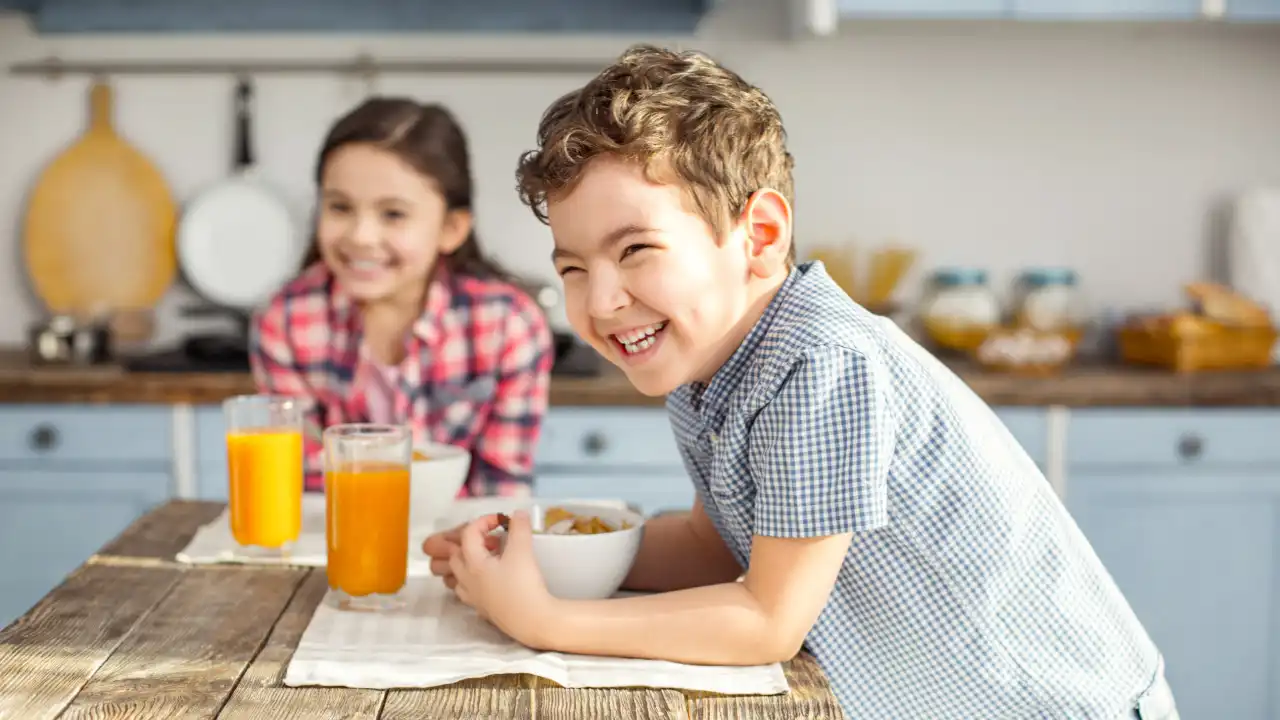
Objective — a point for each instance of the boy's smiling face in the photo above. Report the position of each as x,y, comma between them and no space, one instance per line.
648,284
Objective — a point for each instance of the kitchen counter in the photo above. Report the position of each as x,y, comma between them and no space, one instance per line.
131,633
1080,386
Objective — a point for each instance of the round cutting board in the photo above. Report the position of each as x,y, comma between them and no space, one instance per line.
98,235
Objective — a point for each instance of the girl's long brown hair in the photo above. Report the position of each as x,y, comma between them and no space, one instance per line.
430,140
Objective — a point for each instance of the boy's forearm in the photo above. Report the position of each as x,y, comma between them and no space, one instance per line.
713,625
673,556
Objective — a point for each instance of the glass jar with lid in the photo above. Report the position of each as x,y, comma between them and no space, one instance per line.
1048,300
960,310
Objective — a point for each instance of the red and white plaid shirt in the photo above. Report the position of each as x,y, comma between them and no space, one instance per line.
476,374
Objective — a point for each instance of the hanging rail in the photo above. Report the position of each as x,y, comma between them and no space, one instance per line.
54,67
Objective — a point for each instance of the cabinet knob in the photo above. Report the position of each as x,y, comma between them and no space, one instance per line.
44,437
1190,447
593,443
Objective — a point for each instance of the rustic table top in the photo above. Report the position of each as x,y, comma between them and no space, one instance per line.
134,634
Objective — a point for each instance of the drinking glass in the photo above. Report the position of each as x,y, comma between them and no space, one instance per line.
366,488
264,472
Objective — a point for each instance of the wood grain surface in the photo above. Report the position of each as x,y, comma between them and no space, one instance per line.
133,634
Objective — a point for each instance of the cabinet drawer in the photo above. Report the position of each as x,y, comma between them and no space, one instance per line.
603,437
211,453
651,492
69,516
142,433
1174,437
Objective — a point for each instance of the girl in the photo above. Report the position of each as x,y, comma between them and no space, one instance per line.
397,317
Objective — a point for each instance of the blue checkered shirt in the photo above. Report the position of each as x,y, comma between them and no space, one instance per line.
968,591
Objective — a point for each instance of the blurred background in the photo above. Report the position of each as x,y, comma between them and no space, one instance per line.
1075,202
1002,135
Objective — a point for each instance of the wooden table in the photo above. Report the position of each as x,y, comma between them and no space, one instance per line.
134,634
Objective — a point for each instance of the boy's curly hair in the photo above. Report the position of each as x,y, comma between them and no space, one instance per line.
688,120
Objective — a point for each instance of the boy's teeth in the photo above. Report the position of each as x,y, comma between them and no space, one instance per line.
639,339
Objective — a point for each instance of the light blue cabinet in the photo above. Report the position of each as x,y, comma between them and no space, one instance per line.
626,453
1253,10
938,9
71,479
210,453
630,453
1183,508
1107,9
51,521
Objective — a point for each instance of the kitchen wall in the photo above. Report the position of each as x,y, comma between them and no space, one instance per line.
1000,145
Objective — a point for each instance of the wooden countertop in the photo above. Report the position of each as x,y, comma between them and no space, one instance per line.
1079,386
131,633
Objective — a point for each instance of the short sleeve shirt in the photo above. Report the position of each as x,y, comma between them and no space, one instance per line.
968,591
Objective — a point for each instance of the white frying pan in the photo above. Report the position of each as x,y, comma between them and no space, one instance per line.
238,240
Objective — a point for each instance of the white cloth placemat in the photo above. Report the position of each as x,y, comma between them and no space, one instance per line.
437,640
213,543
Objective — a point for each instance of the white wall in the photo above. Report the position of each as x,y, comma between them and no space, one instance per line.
999,145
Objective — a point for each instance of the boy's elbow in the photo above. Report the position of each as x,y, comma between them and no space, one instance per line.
774,646
785,647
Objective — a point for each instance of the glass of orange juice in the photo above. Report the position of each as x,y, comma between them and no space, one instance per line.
264,472
366,489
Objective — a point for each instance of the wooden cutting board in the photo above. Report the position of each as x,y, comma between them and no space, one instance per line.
98,234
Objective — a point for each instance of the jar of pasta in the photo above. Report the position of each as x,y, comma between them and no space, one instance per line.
1048,300
960,309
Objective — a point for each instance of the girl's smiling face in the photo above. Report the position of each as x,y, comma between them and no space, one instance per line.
381,224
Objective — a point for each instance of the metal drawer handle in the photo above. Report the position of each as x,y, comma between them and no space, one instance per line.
44,437
593,444
1190,447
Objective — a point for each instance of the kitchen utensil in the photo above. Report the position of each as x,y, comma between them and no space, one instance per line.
98,231
63,341
1253,249
238,241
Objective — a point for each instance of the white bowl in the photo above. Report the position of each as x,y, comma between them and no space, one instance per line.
588,567
434,483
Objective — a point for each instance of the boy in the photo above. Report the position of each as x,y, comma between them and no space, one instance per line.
885,518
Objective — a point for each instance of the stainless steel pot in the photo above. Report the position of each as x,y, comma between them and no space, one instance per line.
63,341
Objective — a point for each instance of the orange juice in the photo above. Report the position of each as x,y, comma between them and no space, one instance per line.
265,473
367,527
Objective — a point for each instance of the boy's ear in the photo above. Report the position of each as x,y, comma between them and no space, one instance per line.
766,220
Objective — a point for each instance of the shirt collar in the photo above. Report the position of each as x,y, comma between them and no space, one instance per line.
710,399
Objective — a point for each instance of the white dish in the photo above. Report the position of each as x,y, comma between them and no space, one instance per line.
586,567
434,483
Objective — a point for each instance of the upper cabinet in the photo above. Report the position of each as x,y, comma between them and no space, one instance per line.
679,17
1094,10
1253,9
941,9
1109,9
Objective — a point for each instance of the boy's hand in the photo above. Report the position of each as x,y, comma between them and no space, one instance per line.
441,546
506,589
